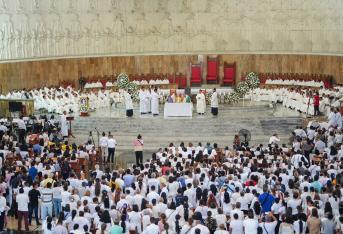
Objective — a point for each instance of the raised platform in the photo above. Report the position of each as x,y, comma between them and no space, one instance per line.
261,120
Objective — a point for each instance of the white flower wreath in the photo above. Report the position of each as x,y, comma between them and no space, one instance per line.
251,82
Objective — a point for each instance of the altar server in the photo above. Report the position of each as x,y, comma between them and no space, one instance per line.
332,118
64,125
142,101
338,118
201,102
148,100
128,104
155,102
214,102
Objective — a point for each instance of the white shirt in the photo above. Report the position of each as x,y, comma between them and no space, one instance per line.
21,124
103,141
236,226
2,204
273,140
23,202
250,226
268,228
203,229
111,143
151,229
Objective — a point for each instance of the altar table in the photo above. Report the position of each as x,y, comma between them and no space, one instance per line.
178,109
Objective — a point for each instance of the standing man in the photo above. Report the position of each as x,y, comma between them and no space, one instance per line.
111,144
64,125
23,209
201,103
34,195
128,104
104,146
142,104
47,195
266,199
214,102
138,148
155,102
3,208
22,130
316,103
148,100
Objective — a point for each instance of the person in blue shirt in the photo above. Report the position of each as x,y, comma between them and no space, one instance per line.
316,184
33,171
266,200
128,178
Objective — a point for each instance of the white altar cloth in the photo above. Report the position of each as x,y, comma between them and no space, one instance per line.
178,109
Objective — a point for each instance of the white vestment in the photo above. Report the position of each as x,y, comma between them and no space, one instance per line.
155,103
338,120
201,103
128,101
142,105
214,100
64,126
148,101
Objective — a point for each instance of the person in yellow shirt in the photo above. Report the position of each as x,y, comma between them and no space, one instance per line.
64,146
47,179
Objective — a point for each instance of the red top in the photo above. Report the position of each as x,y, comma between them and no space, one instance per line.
316,100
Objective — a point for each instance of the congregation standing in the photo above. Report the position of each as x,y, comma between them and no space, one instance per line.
271,188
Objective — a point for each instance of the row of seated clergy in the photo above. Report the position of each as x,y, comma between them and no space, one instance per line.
177,78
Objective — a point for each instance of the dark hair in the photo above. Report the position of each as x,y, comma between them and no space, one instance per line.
226,197
49,225
73,214
198,193
177,224
97,189
105,218
257,208
123,222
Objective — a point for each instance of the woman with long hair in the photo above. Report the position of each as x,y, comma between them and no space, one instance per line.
313,222
47,225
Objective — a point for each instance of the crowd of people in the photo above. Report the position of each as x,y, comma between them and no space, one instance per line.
58,100
277,187
304,100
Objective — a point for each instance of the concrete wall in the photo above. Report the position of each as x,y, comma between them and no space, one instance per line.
33,29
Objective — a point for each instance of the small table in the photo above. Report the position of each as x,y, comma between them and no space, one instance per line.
178,110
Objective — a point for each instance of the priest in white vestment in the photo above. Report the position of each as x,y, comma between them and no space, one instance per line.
338,118
332,118
155,102
128,104
201,102
64,125
148,100
214,102
142,102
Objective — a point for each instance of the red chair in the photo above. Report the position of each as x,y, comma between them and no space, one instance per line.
171,78
196,74
181,80
229,73
212,70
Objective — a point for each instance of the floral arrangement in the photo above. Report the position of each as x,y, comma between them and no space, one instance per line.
123,82
251,82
